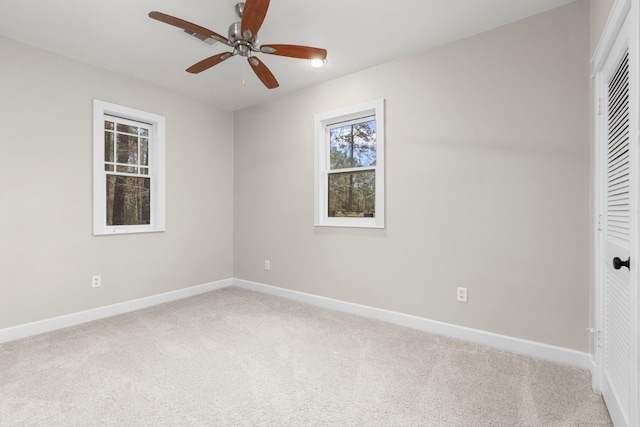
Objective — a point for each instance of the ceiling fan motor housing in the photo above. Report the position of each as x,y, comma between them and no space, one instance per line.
242,45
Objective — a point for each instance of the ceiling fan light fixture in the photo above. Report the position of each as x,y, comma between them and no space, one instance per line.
317,63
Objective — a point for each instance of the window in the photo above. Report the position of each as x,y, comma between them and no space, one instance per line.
128,170
349,169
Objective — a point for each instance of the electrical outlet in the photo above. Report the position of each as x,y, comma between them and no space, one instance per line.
462,294
267,264
96,281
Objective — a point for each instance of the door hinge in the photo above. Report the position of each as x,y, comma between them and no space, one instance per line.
599,107
596,336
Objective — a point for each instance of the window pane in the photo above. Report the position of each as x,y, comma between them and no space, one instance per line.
352,194
127,129
128,200
353,145
126,169
127,149
108,125
108,167
144,151
108,147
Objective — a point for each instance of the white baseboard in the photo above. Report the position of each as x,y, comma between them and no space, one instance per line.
500,342
39,327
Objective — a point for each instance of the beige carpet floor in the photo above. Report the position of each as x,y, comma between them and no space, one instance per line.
238,358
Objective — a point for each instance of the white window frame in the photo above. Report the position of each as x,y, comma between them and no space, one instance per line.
322,123
156,169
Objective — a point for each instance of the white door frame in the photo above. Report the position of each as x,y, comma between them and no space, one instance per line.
620,11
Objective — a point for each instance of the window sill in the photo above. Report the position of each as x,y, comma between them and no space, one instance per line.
126,230
338,225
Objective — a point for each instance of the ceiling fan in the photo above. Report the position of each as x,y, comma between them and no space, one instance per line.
243,38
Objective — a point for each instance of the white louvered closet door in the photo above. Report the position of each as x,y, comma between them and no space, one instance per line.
617,297
617,147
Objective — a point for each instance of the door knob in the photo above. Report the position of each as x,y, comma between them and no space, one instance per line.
618,263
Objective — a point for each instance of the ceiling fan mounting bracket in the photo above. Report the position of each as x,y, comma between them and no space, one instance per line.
236,38
239,9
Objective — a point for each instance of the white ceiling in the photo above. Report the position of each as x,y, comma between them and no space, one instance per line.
118,35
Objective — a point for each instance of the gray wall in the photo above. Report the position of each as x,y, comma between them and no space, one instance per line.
47,250
600,10
487,185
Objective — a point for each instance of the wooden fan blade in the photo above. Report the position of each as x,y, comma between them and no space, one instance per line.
252,17
294,51
185,25
209,62
263,73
